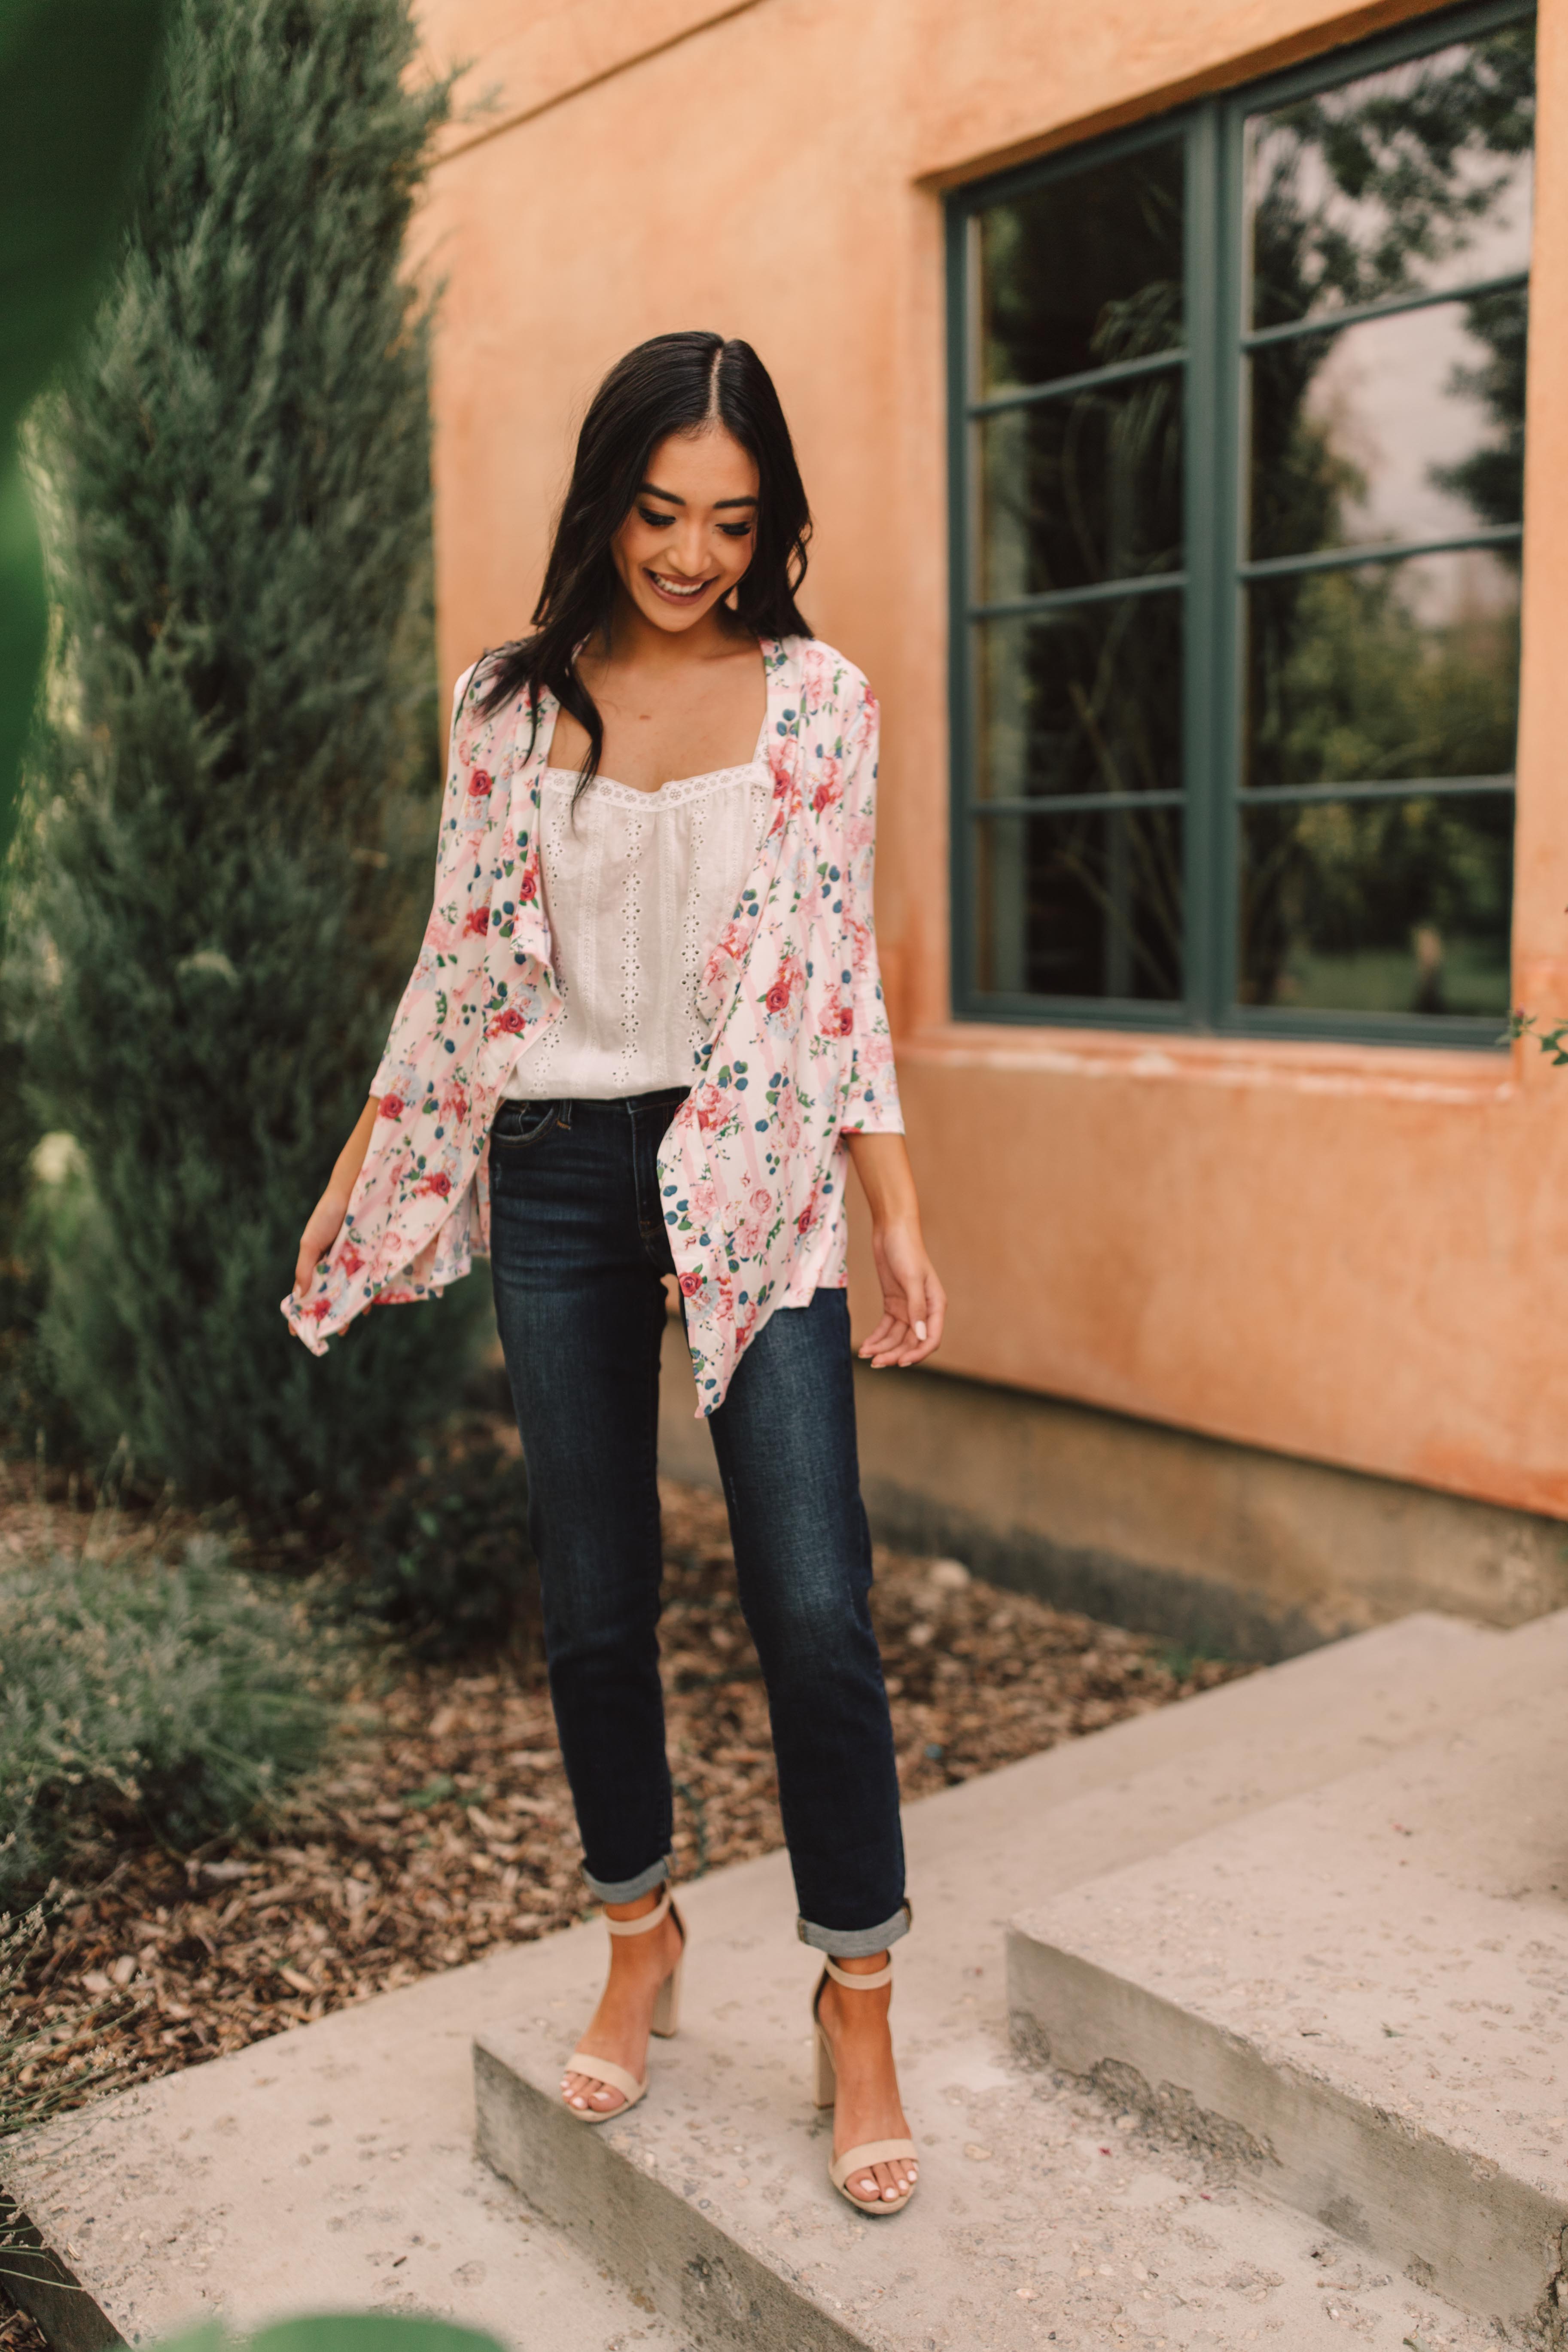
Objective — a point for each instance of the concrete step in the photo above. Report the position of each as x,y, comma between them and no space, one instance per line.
330,2168
1360,1993
710,2199
335,2164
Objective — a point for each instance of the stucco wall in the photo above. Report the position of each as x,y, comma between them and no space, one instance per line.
1355,1255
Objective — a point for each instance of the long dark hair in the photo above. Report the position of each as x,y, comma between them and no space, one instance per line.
673,384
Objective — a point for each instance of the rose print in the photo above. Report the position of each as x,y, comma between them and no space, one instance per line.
711,1108
757,1158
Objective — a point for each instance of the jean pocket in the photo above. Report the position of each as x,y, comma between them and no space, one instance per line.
518,1123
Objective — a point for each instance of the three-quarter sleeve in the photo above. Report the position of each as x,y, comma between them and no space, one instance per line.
449,963
871,1097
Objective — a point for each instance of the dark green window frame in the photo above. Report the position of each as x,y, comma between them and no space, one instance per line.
1216,572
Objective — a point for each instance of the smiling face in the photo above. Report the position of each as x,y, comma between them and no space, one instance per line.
692,530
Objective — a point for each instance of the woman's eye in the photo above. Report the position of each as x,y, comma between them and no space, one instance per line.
656,521
736,530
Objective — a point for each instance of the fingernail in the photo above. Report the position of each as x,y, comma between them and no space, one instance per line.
920,1330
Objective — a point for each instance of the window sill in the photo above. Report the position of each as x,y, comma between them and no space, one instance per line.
1390,1073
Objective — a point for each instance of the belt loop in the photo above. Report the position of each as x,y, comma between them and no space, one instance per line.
563,1114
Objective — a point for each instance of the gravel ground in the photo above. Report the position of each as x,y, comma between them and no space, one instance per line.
444,1828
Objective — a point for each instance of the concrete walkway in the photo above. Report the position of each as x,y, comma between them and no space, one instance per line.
335,2164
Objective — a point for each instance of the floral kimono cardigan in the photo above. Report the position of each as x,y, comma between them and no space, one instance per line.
753,1167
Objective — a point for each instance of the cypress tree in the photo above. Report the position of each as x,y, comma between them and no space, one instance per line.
235,806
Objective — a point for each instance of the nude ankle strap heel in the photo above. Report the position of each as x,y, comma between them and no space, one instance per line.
666,2018
825,2092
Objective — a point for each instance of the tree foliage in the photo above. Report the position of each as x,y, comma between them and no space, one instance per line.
230,812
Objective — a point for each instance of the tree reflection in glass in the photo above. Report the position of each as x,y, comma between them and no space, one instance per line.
1077,490
1399,430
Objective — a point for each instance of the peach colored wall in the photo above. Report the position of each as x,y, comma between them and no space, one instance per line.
1358,1254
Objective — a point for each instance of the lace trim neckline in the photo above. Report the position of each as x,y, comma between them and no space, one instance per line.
670,795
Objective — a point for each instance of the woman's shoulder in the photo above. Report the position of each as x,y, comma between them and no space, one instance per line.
828,676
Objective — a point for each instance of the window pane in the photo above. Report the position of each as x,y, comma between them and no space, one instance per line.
1082,271
1088,700
1418,177
1382,671
1081,490
1403,428
1082,905
1378,906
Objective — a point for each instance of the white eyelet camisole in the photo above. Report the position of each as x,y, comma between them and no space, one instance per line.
637,887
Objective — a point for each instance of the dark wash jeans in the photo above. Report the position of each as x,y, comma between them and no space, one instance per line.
578,1248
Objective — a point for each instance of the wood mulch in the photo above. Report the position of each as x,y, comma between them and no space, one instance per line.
17,2332
443,1827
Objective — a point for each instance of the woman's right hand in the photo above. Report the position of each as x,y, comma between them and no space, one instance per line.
325,1220
322,1229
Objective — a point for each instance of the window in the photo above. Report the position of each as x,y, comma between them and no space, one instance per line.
1239,418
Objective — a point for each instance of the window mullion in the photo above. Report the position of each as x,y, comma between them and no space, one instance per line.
1228,266
1203,467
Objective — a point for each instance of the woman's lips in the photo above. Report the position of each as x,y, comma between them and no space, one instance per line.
685,593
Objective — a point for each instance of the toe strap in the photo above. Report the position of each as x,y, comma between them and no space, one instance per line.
874,2151
605,2069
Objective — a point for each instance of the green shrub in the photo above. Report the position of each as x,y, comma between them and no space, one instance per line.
226,867
170,1701
448,1562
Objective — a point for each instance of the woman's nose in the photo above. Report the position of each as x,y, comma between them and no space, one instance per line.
687,552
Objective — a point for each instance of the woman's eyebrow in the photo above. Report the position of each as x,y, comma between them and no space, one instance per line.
652,490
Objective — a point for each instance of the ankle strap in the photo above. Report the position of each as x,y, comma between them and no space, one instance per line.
865,1982
640,1927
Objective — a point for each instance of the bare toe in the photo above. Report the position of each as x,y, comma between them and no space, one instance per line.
583,2091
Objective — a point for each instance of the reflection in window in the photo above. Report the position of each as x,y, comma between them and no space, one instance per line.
1077,491
1083,271
1083,905
1404,427
1086,699
1238,722
1409,180
1078,694
1378,906
1383,672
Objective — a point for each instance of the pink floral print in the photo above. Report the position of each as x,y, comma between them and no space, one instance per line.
753,1168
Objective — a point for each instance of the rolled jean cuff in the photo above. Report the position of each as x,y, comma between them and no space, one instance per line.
856,1943
626,1890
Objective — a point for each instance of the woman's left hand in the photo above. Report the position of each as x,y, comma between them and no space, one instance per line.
914,1304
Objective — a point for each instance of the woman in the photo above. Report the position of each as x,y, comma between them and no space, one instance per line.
644,1037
